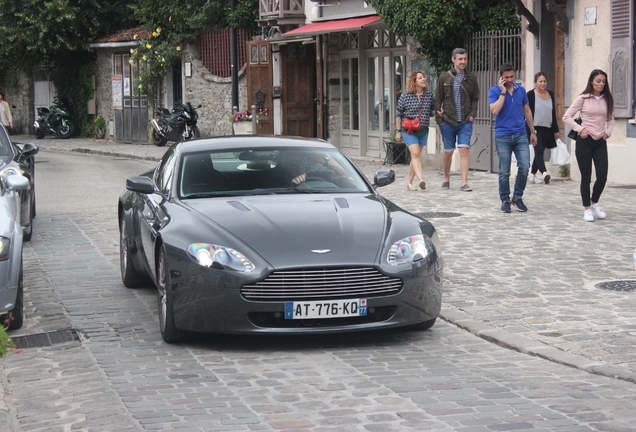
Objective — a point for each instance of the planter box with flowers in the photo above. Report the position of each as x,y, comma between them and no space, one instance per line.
242,123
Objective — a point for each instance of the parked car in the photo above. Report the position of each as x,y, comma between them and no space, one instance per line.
17,209
257,234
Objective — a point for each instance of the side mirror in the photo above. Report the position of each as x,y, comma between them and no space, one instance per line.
383,177
140,184
17,182
29,149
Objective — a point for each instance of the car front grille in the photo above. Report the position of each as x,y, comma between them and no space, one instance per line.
320,284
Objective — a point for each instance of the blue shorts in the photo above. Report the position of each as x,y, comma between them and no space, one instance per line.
459,134
417,137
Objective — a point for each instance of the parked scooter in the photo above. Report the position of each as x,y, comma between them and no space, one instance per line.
178,125
54,121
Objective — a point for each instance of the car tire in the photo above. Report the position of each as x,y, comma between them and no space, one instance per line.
425,325
16,316
169,331
129,274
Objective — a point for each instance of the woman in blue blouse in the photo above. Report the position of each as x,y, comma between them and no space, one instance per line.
415,102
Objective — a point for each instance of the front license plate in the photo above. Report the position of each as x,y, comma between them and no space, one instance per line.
326,309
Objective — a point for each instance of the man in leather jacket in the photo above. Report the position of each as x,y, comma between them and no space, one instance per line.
456,98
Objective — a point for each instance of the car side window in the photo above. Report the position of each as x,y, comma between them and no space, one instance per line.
165,172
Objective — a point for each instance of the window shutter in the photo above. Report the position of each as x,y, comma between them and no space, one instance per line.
621,57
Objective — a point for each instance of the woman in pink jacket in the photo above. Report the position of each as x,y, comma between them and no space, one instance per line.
596,107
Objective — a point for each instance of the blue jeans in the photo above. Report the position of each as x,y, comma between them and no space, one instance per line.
460,134
506,146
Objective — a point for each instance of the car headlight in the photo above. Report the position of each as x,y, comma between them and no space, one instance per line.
9,172
211,255
5,243
410,249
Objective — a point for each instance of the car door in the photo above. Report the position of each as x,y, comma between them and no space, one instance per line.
150,208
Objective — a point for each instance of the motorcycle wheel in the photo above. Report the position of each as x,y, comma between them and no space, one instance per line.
67,131
158,139
195,132
39,134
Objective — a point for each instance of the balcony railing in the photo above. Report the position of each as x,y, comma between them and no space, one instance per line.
280,8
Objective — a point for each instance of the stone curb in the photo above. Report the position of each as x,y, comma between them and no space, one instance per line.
532,347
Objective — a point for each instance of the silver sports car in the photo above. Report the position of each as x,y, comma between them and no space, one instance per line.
17,209
275,235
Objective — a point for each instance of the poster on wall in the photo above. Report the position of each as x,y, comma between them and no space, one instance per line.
117,92
126,86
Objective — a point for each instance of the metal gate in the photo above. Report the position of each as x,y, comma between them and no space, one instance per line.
486,52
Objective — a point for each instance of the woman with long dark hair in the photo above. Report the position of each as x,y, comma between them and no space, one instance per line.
415,103
541,101
596,108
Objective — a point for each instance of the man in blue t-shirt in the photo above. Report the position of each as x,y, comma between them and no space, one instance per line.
509,103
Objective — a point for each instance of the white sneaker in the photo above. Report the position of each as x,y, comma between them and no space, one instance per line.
535,179
598,211
588,216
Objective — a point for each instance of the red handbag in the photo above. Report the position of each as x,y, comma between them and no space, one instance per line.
413,124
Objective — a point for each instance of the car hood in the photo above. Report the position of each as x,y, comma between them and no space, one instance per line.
303,230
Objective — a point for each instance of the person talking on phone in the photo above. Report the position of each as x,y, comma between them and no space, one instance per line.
509,104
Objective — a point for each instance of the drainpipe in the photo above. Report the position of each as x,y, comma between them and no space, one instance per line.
234,59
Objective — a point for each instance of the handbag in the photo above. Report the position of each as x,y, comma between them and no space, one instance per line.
413,124
574,134
560,155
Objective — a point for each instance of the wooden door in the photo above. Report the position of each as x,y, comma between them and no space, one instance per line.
559,76
320,99
260,84
298,92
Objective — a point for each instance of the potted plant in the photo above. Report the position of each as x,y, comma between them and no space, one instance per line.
242,122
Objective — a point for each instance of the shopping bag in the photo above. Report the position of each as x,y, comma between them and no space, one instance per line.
560,155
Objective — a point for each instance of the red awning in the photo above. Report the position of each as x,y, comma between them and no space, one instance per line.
350,24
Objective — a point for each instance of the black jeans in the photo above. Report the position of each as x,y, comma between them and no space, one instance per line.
544,136
588,151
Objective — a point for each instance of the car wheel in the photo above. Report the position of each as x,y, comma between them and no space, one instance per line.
425,325
16,317
129,274
169,331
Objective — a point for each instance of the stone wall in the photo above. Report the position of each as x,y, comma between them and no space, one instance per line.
214,93
19,93
104,88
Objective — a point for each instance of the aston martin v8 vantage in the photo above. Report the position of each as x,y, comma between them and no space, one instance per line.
270,234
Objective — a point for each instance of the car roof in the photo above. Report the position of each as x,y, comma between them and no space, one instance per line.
252,142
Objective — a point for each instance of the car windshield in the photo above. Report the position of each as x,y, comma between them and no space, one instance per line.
267,171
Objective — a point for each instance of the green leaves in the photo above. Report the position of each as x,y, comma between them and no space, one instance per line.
442,25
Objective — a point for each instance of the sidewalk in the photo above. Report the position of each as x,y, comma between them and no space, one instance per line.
527,281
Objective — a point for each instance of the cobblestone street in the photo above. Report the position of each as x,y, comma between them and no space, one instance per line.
527,339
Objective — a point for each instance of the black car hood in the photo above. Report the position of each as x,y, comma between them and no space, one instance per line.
303,230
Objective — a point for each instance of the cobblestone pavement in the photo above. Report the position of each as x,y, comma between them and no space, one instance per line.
525,281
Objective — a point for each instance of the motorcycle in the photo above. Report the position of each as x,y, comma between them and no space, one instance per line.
178,125
54,121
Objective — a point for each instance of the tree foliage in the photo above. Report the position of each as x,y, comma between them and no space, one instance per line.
172,23
442,25
34,30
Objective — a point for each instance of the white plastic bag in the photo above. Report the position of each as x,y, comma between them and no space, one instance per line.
560,155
